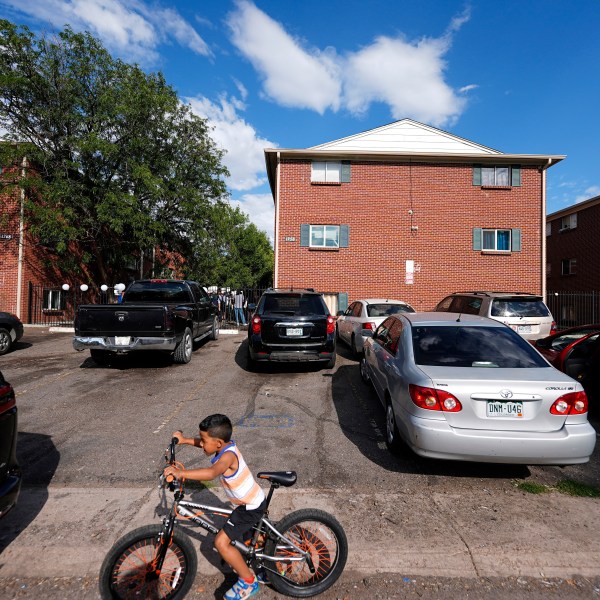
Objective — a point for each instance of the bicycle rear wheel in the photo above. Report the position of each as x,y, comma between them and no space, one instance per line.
321,535
128,569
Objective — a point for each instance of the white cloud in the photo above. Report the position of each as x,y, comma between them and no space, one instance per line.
408,76
261,211
590,192
130,27
468,88
245,149
293,76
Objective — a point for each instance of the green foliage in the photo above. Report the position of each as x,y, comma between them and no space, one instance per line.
119,164
575,488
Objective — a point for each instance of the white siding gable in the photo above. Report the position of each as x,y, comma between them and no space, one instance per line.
406,136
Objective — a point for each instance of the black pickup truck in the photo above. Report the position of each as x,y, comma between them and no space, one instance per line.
154,314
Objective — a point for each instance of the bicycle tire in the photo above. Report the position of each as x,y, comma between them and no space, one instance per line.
322,535
124,571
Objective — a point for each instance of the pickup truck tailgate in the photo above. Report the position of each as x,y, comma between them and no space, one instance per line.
126,319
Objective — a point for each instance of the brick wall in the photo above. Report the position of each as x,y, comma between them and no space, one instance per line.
581,243
376,204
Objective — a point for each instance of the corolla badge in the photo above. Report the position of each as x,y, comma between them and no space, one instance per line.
506,394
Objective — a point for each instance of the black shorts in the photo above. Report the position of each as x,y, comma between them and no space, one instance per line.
242,520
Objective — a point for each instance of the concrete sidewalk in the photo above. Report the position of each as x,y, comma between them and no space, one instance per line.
66,531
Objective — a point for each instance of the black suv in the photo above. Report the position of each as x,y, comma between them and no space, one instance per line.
291,325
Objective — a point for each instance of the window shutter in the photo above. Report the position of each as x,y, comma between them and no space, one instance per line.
476,174
305,235
516,240
344,236
477,233
516,175
342,301
345,171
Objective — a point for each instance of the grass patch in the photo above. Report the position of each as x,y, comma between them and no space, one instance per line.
574,488
532,488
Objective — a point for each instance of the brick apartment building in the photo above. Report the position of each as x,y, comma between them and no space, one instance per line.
407,211
573,248
23,262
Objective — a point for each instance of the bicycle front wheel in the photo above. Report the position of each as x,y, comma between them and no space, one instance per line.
129,569
320,535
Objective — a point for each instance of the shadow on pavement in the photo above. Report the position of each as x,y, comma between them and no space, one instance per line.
39,459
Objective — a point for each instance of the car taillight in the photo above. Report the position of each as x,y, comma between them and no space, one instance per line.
553,328
434,399
7,397
256,325
330,324
368,325
575,403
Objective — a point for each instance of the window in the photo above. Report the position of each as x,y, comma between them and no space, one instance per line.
328,237
568,266
497,240
54,300
568,222
331,171
497,176
548,229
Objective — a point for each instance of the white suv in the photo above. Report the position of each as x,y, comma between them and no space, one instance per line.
527,314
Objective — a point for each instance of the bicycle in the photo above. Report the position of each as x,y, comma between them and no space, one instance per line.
302,555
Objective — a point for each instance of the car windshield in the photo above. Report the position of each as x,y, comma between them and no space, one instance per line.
152,291
519,307
294,304
452,346
385,310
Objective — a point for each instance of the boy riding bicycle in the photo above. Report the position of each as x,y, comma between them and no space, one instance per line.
241,489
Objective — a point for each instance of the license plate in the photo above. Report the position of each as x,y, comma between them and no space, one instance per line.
504,409
293,332
524,329
122,340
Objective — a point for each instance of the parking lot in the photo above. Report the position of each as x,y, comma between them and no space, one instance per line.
91,441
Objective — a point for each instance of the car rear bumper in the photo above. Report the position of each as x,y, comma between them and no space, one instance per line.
573,444
135,343
289,353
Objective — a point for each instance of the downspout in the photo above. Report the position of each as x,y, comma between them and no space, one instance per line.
276,274
544,169
21,241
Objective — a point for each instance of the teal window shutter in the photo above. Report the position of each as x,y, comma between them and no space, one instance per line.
345,171
305,235
476,174
344,236
342,301
515,240
516,175
477,233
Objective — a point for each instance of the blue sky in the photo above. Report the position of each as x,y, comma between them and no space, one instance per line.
521,76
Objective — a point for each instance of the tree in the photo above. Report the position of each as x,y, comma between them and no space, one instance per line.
118,164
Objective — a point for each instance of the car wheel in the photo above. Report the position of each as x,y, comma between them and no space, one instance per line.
5,341
183,352
353,347
214,332
392,436
364,370
331,362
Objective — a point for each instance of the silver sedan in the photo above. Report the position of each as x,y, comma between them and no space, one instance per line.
366,315
463,387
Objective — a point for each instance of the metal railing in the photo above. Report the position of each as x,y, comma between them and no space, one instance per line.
571,309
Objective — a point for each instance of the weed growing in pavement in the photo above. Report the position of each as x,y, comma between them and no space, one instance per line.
565,486
574,488
532,487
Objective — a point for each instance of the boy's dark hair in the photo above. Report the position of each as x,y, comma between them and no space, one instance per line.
217,426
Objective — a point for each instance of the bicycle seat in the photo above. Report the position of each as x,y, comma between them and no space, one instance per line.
285,478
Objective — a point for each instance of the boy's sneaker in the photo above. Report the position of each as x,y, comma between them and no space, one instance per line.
242,590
